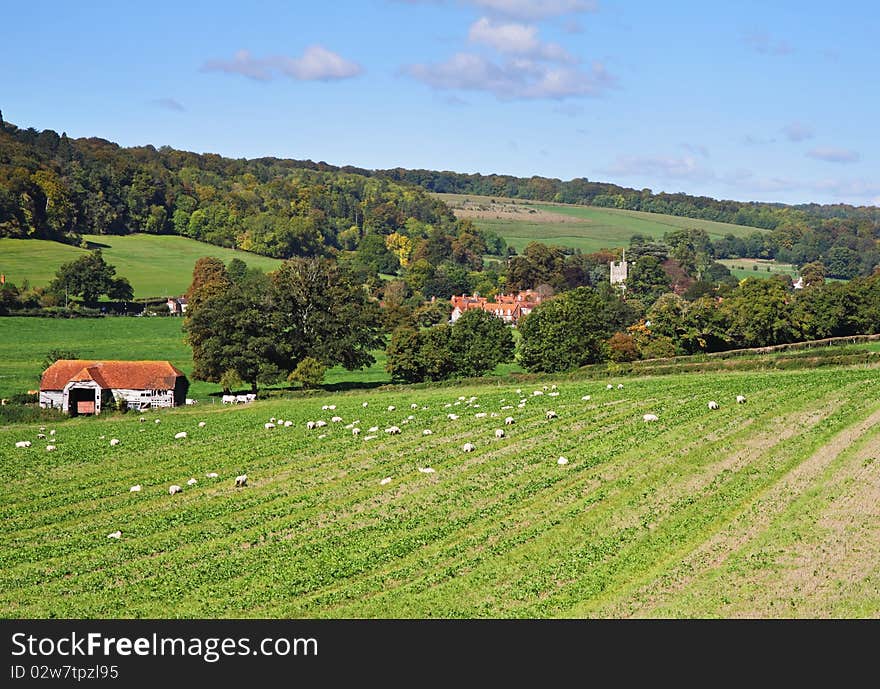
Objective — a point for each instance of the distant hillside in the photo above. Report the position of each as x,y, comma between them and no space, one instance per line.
586,228
156,266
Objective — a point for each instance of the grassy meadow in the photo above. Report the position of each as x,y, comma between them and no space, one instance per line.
763,509
156,265
581,227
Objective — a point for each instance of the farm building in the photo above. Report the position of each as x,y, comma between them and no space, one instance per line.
508,307
78,386
177,306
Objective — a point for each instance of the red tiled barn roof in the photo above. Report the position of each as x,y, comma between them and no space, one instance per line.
133,375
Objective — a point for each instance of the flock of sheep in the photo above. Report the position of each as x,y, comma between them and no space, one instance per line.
372,433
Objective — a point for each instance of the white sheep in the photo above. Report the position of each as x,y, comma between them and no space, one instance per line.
52,432
712,404
173,490
385,481
322,436
620,386
320,423
23,443
393,430
50,448
331,407
551,414
468,447
509,421
391,407
650,417
143,419
506,407
355,431
585,398
480,415
336,419
499,432
364,404
562,461
553,394
241,481
288,424
452,417
271,419
310,425
427,431
426,470
158,421
410,418
740,399
41,436
116,534
212,474
324,408
191,482
279,422
180,436
414,406
135,488
536,393
373,429
202,424
268,425
114,442
370,437
609,386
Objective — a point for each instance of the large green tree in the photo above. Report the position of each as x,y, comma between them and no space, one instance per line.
479,342
89,277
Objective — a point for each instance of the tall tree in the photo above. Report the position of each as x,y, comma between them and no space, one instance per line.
89,277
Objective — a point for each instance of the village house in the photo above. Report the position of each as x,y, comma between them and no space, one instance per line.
177,306
508,307
78,386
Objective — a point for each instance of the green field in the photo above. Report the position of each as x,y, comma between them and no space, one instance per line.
156,265
24,343
582,227
764,509
742,268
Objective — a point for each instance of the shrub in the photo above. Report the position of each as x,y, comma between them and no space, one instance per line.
309,373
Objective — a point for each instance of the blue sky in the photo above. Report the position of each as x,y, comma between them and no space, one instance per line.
746,100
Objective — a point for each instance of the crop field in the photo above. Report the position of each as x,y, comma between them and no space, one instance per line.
765,509
582,227
155,265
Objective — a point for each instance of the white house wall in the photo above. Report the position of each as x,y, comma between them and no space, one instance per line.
51,399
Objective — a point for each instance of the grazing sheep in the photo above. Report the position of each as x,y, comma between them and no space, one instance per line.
553,394
241,481
519,391
509,421
494,415
385,481
271,419
650,417
468,447
536,393
173,490
23,443
116,534
712,404
551,414
228,399
553,387
331,407
506,407
336,419
157,421
135,489
50,448
447,405
191,482
426,470
452,417
393,430
310,425
322,436
562,461
585,398
427,431
268,425
461,399
373,429
355,431
41,436
180,436
324,408
202,424
190,401
364,405
320,423
499,432
52,432
391,407
279,422
414,406
480,415
42,428
411,418
114,442
740,399
609,386
370,437
620,386
142,419
212,474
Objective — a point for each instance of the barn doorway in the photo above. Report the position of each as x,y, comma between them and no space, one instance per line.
81,401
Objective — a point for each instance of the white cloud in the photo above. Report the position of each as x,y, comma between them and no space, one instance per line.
169,104
797,131
316,64
516,39
670,167
536,9
515,79
834,155
764,43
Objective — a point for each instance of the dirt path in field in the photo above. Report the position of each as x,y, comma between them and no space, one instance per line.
856,507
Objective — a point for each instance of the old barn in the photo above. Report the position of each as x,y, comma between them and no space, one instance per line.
78,386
